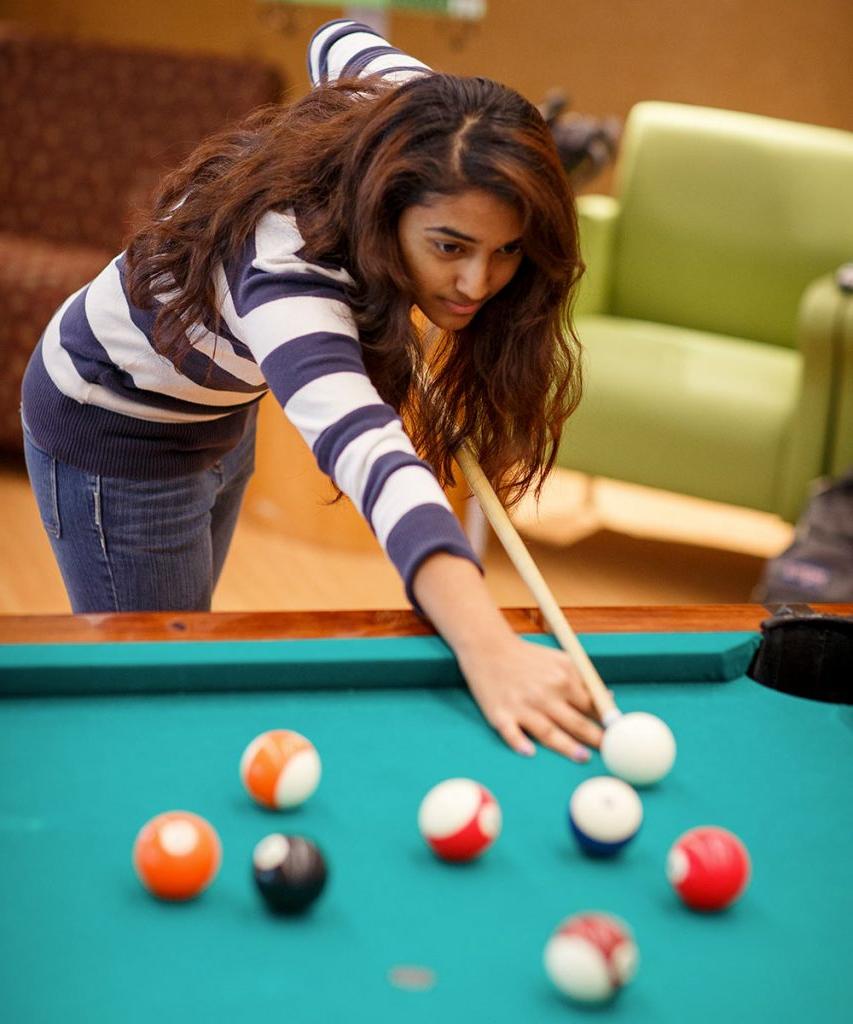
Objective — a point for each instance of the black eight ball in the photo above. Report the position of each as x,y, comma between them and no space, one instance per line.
290,872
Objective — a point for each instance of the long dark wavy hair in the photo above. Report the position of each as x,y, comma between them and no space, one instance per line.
349,158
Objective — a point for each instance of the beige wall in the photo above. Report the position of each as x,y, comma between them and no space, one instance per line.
785,58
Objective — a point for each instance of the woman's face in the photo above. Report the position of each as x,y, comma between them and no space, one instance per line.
459,250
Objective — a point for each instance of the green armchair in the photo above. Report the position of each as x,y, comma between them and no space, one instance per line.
841,412
712,323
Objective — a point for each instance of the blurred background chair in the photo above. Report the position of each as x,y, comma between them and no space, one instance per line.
841,444
86,130
710,314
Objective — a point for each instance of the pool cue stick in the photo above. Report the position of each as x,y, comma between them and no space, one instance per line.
521,558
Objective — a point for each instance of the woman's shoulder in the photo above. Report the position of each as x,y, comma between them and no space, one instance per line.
277,236
279,246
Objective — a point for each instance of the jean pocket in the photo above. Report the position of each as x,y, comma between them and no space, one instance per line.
41,468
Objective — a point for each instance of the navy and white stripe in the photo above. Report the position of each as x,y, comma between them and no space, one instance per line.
98,395
348,49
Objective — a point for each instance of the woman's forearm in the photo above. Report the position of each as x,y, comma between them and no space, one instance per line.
454,597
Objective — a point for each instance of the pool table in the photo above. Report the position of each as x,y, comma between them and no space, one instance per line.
107,720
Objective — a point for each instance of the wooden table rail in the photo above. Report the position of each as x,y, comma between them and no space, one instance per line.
142,626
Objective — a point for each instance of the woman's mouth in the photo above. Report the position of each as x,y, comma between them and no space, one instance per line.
462,309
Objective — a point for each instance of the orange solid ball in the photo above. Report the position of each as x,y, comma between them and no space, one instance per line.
177,855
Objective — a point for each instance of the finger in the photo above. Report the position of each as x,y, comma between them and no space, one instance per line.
510,732
544,729
580,697
575,690
574,723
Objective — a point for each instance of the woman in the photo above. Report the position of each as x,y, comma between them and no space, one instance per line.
287,254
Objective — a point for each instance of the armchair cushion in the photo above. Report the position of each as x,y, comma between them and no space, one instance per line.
709,413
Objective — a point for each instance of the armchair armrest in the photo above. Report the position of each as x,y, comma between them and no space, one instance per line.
824,336
841,452
597,216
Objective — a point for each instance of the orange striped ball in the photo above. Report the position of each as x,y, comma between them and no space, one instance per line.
280,768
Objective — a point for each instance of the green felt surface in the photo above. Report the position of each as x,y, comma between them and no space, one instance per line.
396,662
81,941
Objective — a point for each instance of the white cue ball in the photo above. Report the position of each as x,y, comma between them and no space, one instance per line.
639,748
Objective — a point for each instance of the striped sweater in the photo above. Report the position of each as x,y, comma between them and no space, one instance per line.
98,396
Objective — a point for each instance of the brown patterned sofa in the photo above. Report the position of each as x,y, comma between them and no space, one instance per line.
86,129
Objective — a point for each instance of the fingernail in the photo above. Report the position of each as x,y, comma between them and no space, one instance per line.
527,748
582,754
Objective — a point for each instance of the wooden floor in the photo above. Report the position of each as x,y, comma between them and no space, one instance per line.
597,543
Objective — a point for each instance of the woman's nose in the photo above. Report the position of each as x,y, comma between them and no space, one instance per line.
473,280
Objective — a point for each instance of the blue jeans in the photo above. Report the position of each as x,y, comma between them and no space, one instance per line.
140,545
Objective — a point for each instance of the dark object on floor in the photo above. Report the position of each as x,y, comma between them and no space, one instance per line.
586,144
818,566
807,655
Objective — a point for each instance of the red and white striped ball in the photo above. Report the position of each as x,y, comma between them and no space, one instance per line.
460,819
280,768
591,956
709,867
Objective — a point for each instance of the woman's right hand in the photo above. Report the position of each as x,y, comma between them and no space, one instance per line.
526,691
530,692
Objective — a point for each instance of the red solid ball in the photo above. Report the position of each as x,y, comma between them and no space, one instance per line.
709,867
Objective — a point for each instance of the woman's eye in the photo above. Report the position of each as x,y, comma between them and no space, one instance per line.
448,248
513,249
